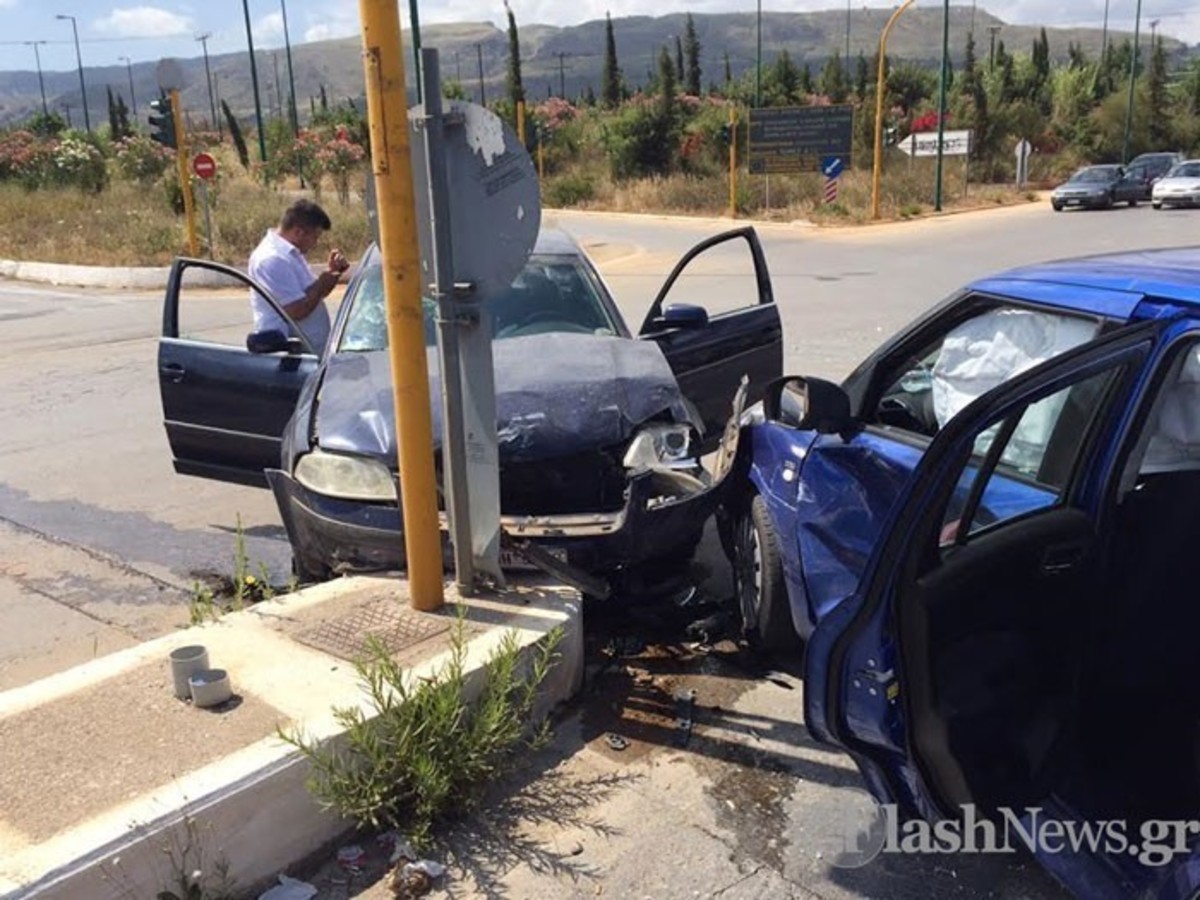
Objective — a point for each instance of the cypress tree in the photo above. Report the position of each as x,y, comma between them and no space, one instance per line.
678,60
610,85
691,51
516,91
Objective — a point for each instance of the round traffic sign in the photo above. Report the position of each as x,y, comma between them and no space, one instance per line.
204,166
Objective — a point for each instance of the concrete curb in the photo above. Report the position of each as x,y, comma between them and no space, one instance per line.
118,277
250,809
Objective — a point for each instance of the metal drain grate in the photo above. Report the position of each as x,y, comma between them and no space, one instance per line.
346,635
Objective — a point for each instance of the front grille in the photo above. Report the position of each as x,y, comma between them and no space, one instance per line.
586,482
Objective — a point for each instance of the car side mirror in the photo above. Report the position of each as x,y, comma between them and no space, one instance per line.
273,341
809,404
682,315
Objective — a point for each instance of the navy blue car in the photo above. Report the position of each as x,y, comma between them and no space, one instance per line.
600,430
984,539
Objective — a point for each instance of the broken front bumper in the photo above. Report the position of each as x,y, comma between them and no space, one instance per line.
664,513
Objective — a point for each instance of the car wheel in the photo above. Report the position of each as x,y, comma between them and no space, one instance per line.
1057,207
1156,205
303,575
1133,203
758,581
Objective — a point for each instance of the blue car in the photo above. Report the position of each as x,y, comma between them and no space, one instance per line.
983,537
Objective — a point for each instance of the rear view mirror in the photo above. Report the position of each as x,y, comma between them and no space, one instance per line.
273,341
682,315
809,404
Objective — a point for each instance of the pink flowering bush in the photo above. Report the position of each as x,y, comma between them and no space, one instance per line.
340,158
141,159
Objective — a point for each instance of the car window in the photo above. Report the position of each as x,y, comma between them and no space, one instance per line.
1173,430
551,294
1041,444
1093,175
970,358
1185,170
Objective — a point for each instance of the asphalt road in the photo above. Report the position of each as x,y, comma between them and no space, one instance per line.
102,541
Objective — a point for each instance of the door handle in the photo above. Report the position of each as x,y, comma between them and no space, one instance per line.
173,372
1061,558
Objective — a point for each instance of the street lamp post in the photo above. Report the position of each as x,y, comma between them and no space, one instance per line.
1104,35
479,57
262,140
41,83
87,120
937,192
848,2
287,43
129,68
212,103
1137,21
416,32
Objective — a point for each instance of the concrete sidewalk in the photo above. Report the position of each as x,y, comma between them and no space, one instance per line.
105,777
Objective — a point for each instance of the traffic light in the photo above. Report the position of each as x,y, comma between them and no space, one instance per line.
162,125
726,134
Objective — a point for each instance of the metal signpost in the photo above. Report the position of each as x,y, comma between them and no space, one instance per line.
205,168
1022,150
787,140
478,218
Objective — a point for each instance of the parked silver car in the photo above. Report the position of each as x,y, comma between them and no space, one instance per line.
1179,187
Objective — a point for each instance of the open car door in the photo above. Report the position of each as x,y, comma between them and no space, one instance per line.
224,406
716,322
950,674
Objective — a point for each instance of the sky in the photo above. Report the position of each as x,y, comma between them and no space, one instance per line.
110,32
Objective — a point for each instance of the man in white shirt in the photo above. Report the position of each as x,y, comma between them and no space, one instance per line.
278,263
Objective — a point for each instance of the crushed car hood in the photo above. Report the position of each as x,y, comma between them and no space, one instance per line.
556,394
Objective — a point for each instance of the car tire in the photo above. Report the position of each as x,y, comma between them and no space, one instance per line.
760,592
1132,203
1057,207
303,575
1156,205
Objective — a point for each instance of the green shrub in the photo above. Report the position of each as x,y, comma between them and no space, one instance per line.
428,750
570,190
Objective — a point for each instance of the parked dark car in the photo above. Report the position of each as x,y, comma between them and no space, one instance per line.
600,431
985,538
1156,164
1099,187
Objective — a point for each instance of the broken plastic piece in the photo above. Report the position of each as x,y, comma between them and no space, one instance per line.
616,742
289,889
428,867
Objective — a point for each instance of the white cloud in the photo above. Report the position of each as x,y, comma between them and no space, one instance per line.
144,21
335,21
320,32
270,27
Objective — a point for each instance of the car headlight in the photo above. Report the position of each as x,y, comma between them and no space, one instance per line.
656,446
347,477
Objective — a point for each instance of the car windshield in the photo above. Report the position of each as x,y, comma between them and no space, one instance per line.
1094,174
1185,170
552,293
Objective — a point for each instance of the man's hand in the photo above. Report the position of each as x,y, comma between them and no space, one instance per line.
337,262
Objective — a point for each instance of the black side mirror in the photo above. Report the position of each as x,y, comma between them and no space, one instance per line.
682,315
273,341
809,404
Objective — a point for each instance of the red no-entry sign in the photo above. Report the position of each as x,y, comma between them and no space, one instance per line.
204,166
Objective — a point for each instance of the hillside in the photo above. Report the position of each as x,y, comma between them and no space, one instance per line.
552,57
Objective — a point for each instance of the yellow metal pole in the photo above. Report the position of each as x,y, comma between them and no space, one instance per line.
182,156
879,91
521,121
732,163
391,162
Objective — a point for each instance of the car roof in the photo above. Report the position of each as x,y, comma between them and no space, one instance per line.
1167,274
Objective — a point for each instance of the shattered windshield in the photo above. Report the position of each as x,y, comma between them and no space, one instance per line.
552,294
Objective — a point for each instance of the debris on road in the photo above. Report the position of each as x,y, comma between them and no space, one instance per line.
289,889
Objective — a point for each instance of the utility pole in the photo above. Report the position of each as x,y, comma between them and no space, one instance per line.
416,33
212,103
562,76
87,120
293,115
758,62
278,89
258,120
1137,21
847,58
391,163
937,193
41,83
479,55
216,85
67,109
129,68
1104,35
